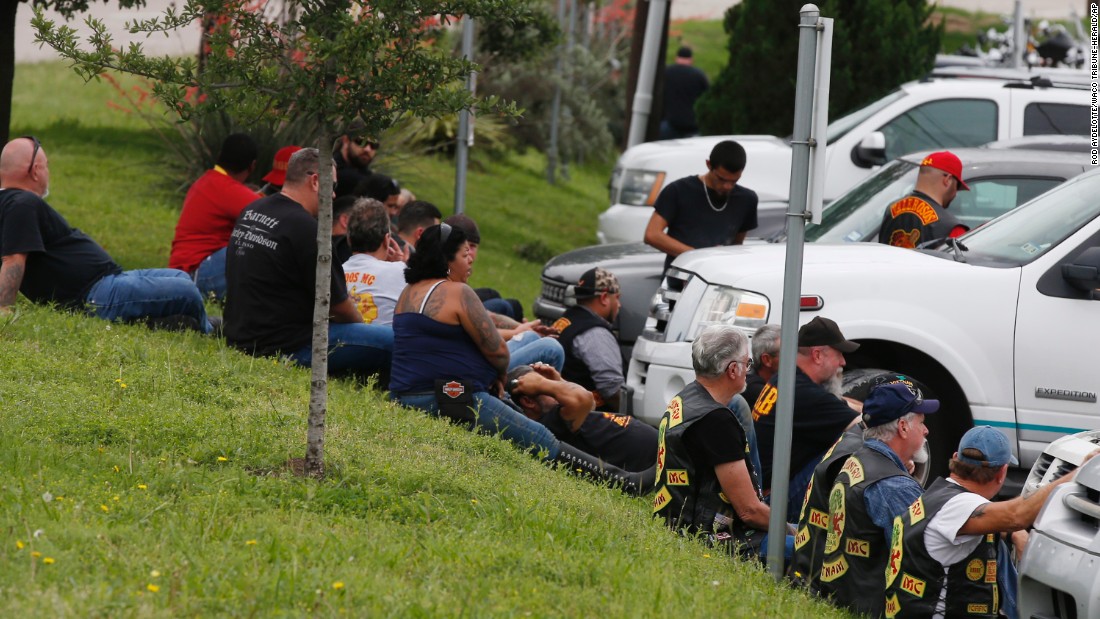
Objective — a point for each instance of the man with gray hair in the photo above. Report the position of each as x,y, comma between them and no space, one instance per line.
765,361
705,484
375,273
271,272
871,489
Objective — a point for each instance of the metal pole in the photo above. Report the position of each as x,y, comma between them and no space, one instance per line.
465,135
792,285
1019,36
555,108
567,113
643,92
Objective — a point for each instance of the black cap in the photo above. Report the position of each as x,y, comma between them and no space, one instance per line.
823,332
683,52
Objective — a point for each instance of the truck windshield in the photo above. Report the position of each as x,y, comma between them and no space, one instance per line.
858,213
840,127
1022,235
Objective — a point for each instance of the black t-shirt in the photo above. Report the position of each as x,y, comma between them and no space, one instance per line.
819,419
348,176
753,386
693,221
62,262
683,85
716,439
270,271
623,441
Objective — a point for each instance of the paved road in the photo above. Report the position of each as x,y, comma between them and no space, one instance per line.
188,42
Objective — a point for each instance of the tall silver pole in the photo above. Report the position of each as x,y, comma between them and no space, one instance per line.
792,285
647,71
567,75
464,137
1020,36
555,107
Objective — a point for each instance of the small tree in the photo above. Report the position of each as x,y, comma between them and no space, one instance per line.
877,45
332,60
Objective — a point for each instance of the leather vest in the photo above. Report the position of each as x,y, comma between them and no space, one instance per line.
575,321
915,581
689,497
813,521
855,548
915,219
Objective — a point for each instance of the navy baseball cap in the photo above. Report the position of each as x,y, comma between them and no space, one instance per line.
893,401
991,443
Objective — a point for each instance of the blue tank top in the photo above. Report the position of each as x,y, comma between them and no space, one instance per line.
425,349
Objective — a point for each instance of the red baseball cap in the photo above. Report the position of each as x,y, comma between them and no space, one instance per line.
277,175
947,161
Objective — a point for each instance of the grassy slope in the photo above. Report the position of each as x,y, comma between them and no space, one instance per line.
142,472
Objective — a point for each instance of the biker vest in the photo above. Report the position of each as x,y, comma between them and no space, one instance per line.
689,497
915,219
855,548
813,522
575,321
915,581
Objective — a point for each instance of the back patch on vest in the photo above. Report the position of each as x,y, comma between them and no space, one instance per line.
854,469
892,606
915,206
834,569
893,564
836,520
802,537
675,412
661,500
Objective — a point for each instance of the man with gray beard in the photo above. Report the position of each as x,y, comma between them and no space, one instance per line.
820,414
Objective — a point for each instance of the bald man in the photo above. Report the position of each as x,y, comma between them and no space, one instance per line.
49,261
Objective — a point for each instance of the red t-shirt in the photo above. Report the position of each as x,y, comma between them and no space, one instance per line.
210,210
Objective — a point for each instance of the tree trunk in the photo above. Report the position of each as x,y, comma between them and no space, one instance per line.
318,392
8,9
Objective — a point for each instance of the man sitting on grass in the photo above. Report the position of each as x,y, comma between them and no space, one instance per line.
49,261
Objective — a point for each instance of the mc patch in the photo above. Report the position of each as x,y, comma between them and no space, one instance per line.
857,547
912,585
975,569
854,469
802,537
834,569
661,500
676,477
453,389
675,412
836,519
819,519
916,511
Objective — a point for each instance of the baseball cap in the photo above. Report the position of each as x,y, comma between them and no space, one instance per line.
277,175
991,443
594,281
684,52
893,401
823,332
947,161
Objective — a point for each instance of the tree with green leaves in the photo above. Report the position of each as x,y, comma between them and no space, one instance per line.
8,11
330,60
877,46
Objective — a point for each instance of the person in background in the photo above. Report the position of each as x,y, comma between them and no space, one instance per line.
273,180
494,302
353,154
375,274
415,219
341,211
382,188
921,217
684,84
765,361
592,356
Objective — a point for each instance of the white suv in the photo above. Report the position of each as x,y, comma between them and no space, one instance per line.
938,112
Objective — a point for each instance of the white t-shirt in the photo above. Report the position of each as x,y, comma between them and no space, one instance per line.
374,286
941,536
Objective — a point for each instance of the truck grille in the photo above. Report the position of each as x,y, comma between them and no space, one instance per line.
672,287
553,291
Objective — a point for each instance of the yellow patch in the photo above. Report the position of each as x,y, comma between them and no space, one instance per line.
996,597
836,519
802,537
977,609
916,206
765,402
975,569
916,511
857,547
913,585
991,570
677,477
675,412
854,469
722,495
561,324
893,563
661,446
892,606
834,569
819,519
661,500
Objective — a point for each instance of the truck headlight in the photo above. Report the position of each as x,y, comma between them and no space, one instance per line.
640,187
722,305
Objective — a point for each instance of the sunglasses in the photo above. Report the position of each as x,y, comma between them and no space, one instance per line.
34,153
365,142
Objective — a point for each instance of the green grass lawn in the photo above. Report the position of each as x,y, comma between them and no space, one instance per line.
144,472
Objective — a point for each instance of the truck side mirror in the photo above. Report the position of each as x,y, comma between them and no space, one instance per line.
1084,272
871,150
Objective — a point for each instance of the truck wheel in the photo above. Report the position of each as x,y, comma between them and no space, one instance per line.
858,384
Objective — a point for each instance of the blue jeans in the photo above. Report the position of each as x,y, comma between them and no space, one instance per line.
147,293
356,346
502,307
210,275
527,348
741,409
495,416
1009,580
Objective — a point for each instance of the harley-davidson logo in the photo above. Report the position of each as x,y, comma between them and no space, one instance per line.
453,389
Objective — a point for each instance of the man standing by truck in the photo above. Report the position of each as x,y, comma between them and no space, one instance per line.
705,210
922,215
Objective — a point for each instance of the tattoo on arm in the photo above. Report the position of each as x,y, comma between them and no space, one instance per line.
435,304
11,277
978,513
485,332
501,322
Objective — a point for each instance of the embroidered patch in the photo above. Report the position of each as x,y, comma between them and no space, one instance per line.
819,519
916,511
991,570
857,547
675,412
802,537
677,477
892,606
912,585
661,429
893,564
561,324
661,500
836,519
977,609
854,469
975,569
833,570
915,206
453,389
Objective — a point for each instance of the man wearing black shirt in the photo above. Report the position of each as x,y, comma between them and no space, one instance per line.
270,275
567,410
49,261
684,84
354,152
706,210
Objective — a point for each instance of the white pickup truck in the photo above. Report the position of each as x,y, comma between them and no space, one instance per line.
1004,328
934,113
